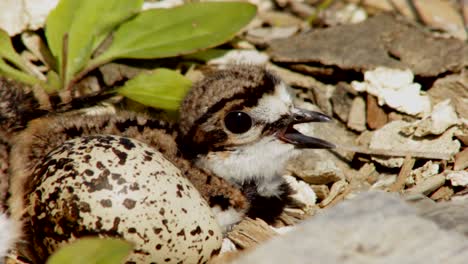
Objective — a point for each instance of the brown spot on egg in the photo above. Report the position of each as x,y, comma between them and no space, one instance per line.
196,231
85,207
215,252
129,203
134,186
106,203
121,155
158,246
86,158
157,230
182,233
116,176
89,172
100,166
164,222
126,143
100,183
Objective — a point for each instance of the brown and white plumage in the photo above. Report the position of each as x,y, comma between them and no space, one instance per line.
233,139
237,123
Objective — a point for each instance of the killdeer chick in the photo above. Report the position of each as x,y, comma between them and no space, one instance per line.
233,139
238,124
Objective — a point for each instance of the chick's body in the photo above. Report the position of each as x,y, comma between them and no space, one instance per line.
233,139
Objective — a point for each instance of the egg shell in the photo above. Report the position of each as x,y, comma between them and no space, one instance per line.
113,186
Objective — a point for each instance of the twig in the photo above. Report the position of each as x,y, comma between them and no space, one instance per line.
405,171
396,153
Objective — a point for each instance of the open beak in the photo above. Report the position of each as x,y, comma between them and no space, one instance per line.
292,136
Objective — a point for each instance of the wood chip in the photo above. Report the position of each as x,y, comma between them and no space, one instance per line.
444,193
427,186
403,175
368,173
249,233
376,116
336,189
461,160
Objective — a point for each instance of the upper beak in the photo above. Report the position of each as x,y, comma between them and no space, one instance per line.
292,136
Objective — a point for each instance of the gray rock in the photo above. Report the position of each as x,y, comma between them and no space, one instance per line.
375,227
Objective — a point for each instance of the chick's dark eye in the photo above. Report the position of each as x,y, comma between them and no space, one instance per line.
238,122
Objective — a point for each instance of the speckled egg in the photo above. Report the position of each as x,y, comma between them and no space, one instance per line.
114,186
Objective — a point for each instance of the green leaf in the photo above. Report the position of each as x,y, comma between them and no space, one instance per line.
53,81
11,72
92,251
9,53
206,55
162,88
159,33
86,23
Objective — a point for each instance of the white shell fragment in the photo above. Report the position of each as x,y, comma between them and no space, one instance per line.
389,138
442,117
457,178
112,186
396,89
303,191
251,57
420,174
18,16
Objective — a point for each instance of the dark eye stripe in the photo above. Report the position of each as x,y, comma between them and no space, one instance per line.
249,98
282,122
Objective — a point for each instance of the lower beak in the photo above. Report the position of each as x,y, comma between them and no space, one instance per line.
292,136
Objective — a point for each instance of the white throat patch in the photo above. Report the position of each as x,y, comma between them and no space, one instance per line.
262,161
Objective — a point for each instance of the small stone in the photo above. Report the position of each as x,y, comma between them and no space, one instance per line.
357,115
374,227
405,8
395,88
457,178
442,117
341,101
376,116
303,193
316,171
453,87
253,57
390,139
441,15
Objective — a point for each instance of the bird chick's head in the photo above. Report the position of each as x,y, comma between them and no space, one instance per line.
238,124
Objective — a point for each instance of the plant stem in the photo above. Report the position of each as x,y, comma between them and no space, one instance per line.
324,5
92,65
63,68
